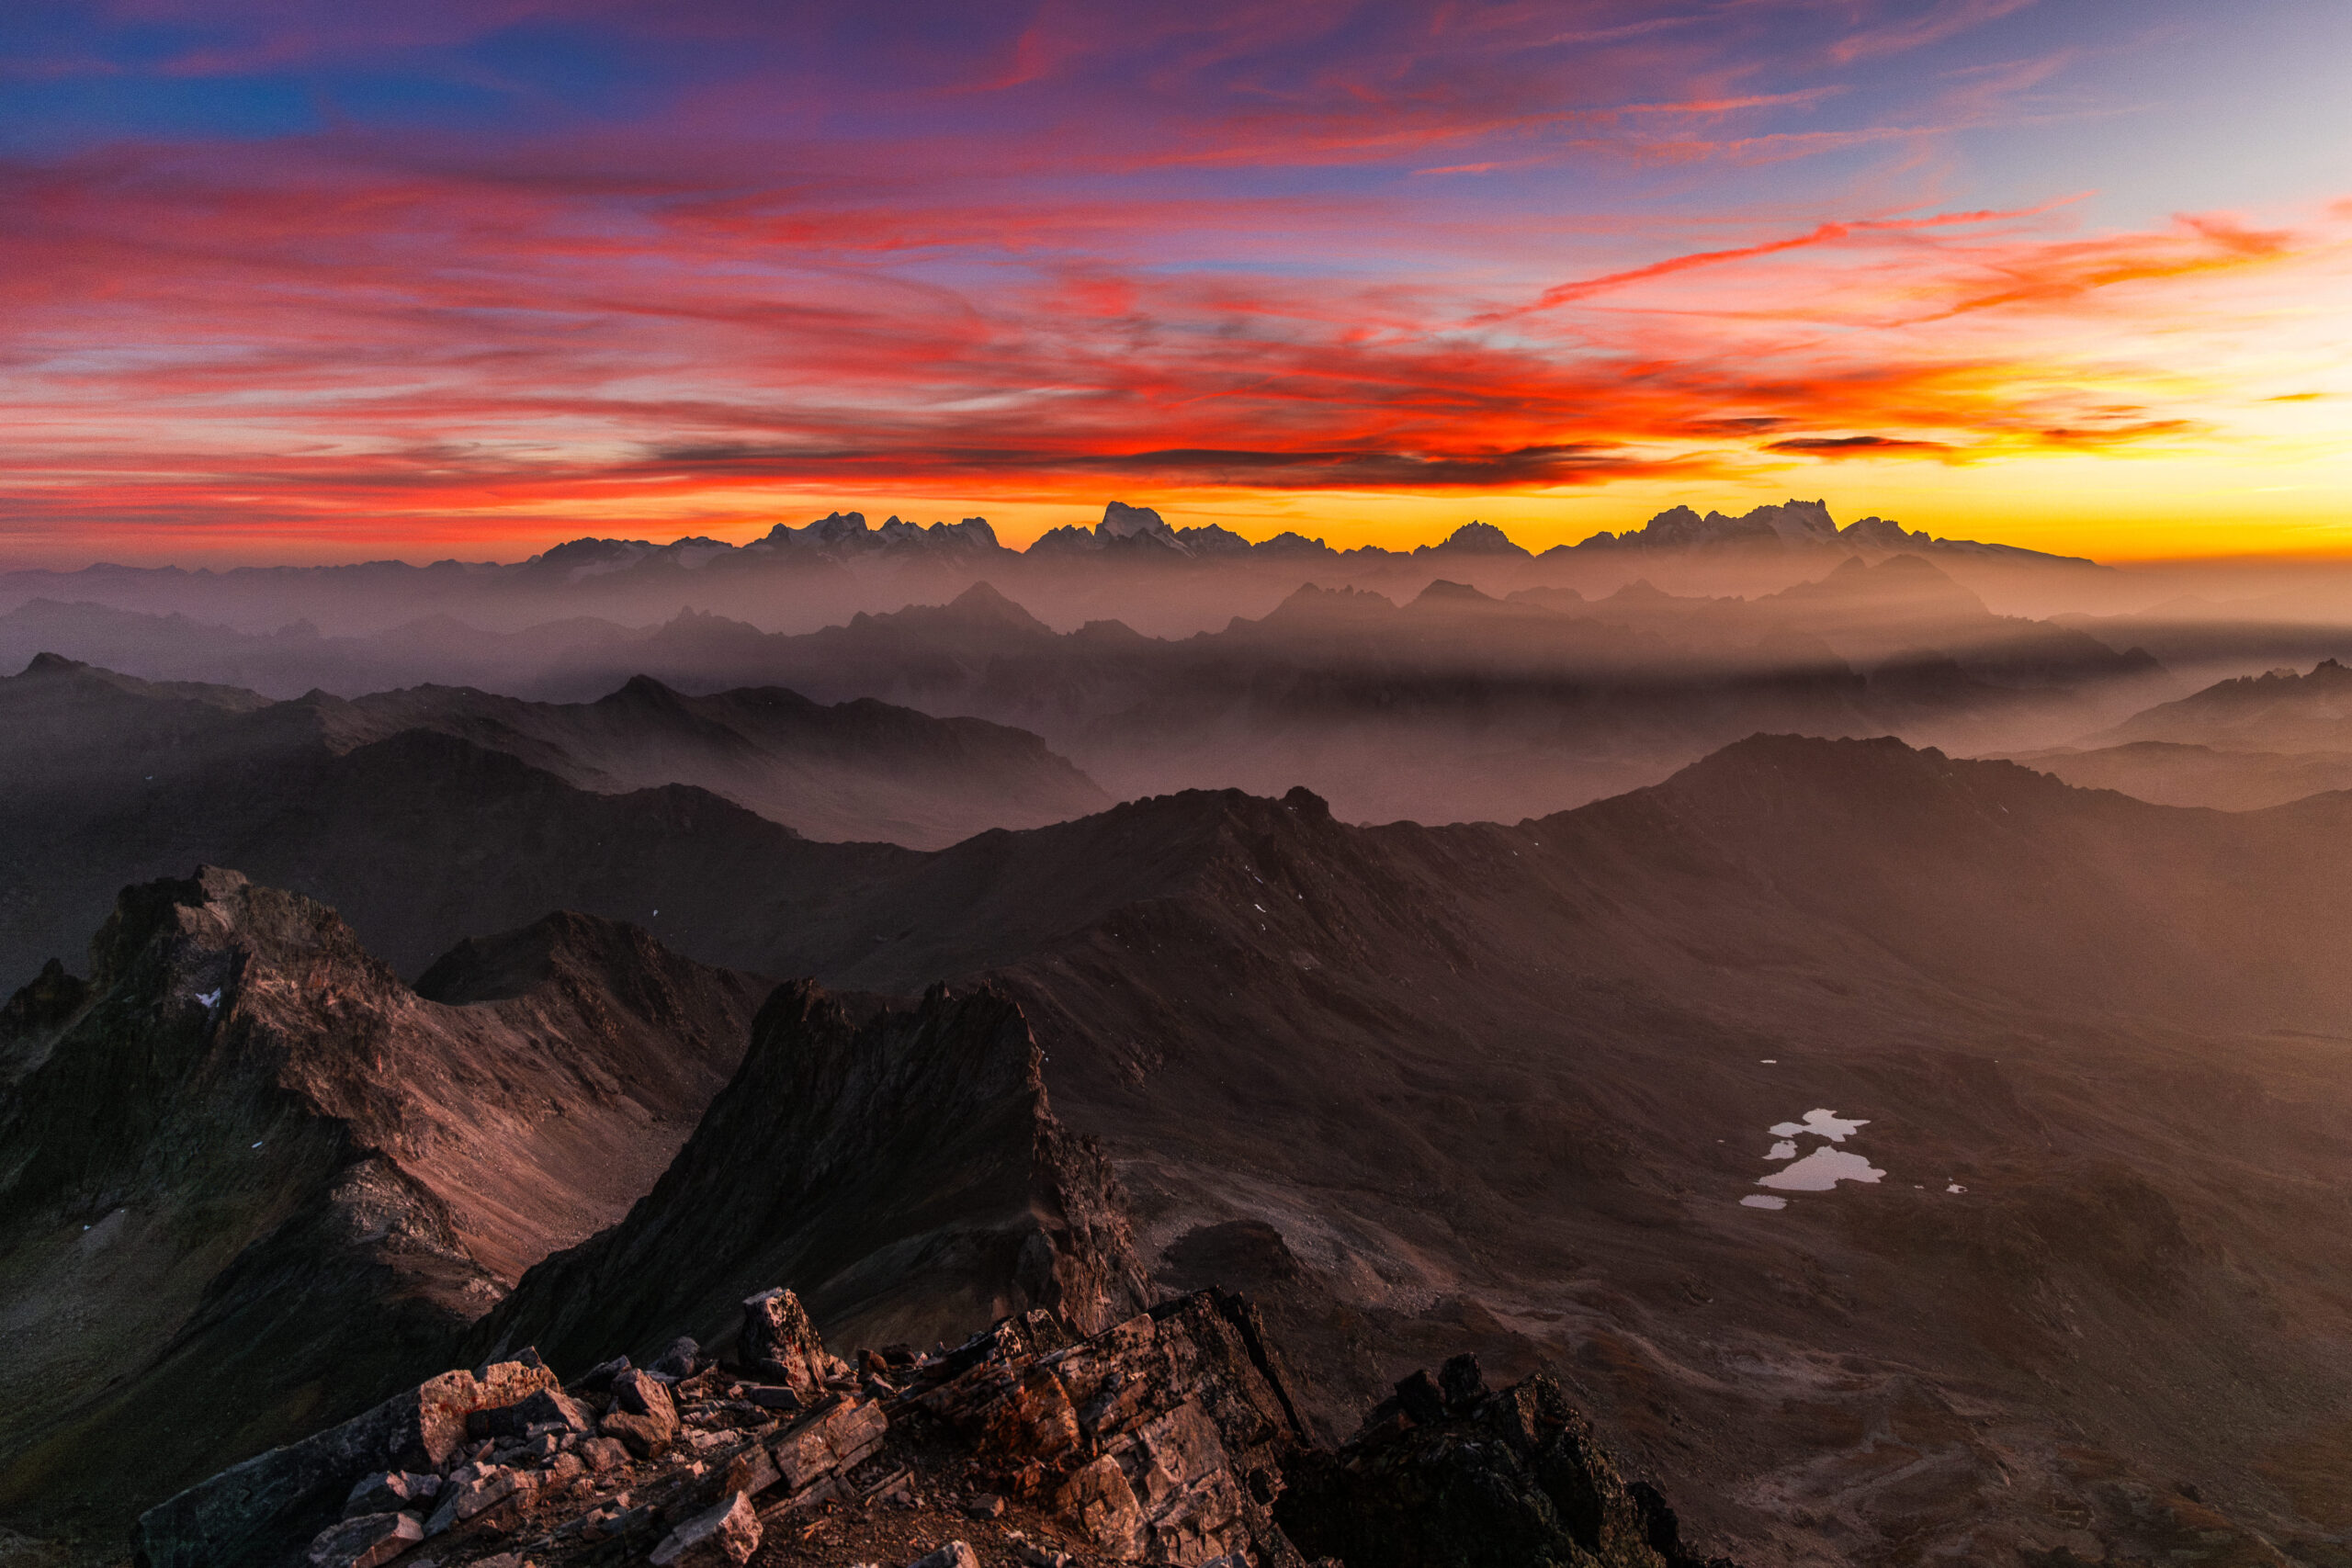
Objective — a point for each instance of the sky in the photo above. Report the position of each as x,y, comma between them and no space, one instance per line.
286,280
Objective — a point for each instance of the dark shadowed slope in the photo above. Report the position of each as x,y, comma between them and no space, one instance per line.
905,1172
1518,1081
1509,1086
250,1176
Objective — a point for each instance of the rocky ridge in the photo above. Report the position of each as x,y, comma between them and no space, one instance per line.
906,1165
1170,1436
250,1178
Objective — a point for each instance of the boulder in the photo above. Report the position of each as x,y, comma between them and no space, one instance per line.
598,1379
390,1492
1462,1382
778,1341
679,1360
365,1540
729,1533
476,1489
827,1442
542,1407
1160,1439
643,1415
601,1454
1098,1499
269,1506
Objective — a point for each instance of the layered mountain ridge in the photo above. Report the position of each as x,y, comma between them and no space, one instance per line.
1508,1089
1130,565
242,1154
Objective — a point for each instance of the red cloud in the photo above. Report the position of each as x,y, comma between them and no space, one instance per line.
1028,251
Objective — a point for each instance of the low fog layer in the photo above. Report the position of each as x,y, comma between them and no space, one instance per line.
1462,681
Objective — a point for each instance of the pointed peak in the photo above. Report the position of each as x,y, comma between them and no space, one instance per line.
1451,594
982,605
1475,538
1121,521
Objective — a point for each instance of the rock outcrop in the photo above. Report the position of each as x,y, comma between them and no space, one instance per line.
908,1171
1170,1438
1449,1475
263,1509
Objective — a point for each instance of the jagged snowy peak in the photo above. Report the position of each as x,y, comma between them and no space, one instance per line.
1797,526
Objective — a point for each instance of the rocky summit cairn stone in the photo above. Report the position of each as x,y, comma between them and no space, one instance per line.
778,1341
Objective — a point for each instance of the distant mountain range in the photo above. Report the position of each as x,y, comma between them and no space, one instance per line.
1445,704
2238,745
1140,533
1131,565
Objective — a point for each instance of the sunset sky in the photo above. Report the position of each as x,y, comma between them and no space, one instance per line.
286,280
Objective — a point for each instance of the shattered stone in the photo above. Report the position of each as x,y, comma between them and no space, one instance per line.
601,1454
1169,1438
548,1407
839,1438
778,1341
271,1504
751,1472
1517,1477
365,1540
728,1533
475,1489
598,1379
389,1492
642,1415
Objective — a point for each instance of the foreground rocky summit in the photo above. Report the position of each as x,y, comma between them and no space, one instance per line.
1170,1438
